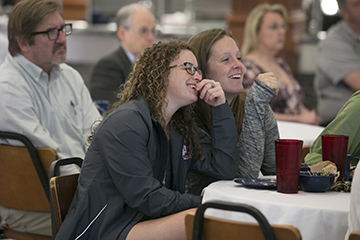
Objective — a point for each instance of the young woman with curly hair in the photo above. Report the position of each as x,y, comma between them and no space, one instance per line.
132,181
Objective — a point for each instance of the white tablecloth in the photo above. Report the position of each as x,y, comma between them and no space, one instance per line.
318,216
306,132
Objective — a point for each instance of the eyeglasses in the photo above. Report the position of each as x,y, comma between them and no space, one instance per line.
275,27
53,34
145,31
189,67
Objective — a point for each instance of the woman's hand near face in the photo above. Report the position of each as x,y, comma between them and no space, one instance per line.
270,79
211,92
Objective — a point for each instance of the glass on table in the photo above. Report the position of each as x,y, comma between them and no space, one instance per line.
334,149
288,161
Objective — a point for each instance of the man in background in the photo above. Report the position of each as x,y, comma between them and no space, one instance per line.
136,30
338,68
41,97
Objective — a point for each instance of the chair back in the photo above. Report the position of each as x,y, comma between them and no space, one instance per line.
24,179
355,235
199,226
62,191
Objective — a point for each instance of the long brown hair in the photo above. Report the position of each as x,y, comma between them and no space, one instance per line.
149,79
202,44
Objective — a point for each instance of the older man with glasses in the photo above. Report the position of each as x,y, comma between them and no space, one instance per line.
136,31
41,97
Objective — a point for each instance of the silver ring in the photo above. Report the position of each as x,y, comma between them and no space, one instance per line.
212,85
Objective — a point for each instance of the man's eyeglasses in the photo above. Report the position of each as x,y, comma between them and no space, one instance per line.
53,34
189,67
145,31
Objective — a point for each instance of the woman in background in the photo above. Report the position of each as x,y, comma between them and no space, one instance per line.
264,38
219,59
132,181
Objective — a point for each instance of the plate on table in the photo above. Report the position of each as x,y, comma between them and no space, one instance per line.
259,183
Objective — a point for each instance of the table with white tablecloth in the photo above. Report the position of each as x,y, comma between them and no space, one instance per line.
318,216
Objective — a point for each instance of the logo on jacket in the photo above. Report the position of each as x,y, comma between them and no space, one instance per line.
185,153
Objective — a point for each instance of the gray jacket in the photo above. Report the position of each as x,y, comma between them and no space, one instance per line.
132,173
256,143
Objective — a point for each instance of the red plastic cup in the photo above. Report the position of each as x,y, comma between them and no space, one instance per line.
288,161
334,149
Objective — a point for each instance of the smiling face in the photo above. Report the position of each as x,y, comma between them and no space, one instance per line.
46,53
271,35
180,91
224,66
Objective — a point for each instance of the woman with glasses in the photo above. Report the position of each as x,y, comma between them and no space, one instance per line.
132,181
219,59
264,38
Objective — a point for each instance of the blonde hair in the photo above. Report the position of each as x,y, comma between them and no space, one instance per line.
254,22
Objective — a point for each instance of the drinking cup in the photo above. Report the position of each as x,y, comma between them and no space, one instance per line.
288,161
334,149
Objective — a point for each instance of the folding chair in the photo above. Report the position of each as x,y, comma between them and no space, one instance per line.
24,180
62,189
205,227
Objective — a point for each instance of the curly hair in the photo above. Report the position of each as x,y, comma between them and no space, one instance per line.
149,79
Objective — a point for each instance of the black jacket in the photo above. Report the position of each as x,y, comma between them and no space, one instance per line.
123,180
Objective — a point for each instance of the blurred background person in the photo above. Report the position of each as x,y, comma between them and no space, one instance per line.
337,75
264,38
136,30
219,59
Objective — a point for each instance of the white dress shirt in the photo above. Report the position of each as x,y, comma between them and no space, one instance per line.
55,111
